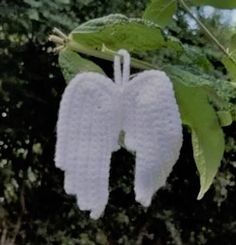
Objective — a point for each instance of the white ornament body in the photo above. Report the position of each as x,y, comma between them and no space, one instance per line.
153,130
92,113
87,129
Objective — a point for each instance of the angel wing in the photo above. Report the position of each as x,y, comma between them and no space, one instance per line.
87,133
153,130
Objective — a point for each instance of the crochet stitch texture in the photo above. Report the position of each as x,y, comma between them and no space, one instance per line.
94,110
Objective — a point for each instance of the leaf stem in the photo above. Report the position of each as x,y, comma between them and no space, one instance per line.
107,54
59,33
61,40
207,31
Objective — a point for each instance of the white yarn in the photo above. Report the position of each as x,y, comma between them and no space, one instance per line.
153,129
87,129
92,113
122,77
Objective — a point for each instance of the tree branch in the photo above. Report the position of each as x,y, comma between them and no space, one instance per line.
207,31
61,40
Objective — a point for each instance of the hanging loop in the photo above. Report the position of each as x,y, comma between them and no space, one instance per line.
122,75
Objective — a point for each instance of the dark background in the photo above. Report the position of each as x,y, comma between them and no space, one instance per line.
34,209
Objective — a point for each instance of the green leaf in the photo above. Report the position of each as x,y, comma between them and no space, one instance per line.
207,135
233,42
160,11
222,93
63,1
33,14
225,118
226,4
117,31
231,68
229,64
195,56
33,3
71,63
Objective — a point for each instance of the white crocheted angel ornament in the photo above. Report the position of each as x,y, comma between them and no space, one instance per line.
94,110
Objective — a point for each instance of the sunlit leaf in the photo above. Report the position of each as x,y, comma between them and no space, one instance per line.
230,64
160,11
207,135
233,42
225,118
71,63
226,4
117,31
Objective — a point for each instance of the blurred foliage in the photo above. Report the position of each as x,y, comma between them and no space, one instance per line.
34,208
160,11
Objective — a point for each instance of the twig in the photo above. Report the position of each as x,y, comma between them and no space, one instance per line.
19,220
107,55
173,230
4,236
61,40
207,31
